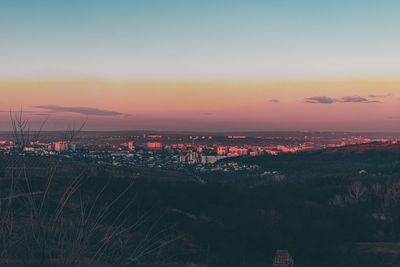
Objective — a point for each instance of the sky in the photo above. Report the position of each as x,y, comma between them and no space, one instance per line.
208,65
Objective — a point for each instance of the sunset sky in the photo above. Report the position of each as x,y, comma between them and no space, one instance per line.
209,65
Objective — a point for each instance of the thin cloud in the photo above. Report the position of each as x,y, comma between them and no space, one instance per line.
345,99
356,99
274,101
320,100
88,111
381,96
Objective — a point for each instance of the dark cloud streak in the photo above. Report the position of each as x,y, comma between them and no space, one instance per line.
356,99
320,100
380,96
274,101
88,111
345,99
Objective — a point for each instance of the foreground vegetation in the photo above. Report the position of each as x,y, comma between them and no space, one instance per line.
326,213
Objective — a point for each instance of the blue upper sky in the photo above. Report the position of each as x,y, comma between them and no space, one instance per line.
199,39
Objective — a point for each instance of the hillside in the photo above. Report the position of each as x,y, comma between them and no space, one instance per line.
324,213
373,158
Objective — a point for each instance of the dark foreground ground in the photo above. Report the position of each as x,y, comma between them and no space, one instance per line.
325,212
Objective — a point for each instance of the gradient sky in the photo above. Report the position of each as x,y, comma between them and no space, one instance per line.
202,65
213,106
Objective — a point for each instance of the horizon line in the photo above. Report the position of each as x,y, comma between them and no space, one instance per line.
216,132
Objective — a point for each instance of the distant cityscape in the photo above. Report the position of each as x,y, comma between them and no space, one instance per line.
201,152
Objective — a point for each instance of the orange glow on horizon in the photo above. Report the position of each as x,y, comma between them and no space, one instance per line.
212,105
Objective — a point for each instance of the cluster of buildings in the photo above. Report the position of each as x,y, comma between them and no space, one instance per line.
38,147
61,146
156,151
150,153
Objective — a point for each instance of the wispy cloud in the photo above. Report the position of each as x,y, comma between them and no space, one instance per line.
345,99
356,99
320,100
274,101
79,110
380,96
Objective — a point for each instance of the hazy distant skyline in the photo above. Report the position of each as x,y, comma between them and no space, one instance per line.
209,65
